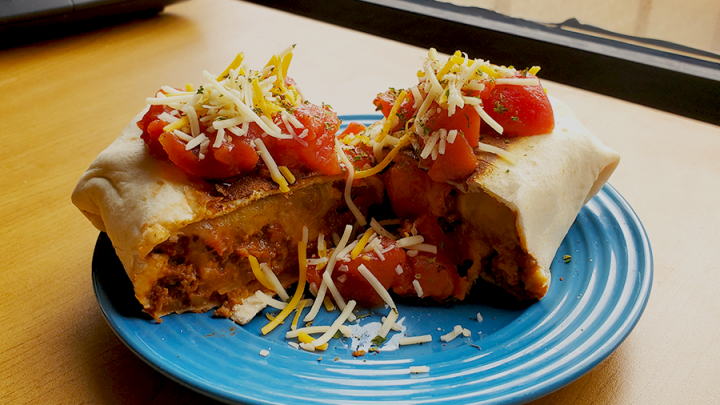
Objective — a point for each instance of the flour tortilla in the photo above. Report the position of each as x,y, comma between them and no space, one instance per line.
556,174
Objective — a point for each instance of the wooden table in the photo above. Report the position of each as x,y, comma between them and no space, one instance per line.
65,100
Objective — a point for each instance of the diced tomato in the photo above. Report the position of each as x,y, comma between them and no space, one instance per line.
352,128
384,103
457,163
465,120
313,153
520,110
433,273
319,154
436,273
229,160
361,155
152,129
352,285
412,193
429,227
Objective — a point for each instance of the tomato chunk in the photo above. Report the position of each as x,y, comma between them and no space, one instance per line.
152,129
352,285
465,120
520,110
457,163
384,103
436,273
229,160
412,193
315,152
361,156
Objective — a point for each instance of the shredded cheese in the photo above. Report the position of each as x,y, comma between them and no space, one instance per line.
488,119
329,306
344,315
287,174
418,288
258,273
361,245
450,336
410,241
298,312
375,225
375,283
348,184
505,155
344,329
302,254
418,369
390,121
307,339
269,301
423,247
272,278
405,140
177,124
414,340
330,266
271,165
388,323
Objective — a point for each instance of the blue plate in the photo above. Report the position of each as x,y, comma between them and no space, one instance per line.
516,354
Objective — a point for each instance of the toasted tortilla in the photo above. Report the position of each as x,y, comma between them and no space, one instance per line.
524,210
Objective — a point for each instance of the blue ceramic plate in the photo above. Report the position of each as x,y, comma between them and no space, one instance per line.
516,354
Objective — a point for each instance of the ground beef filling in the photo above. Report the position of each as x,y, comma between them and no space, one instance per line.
206,264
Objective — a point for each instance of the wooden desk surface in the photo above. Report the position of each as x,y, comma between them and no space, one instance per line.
65,100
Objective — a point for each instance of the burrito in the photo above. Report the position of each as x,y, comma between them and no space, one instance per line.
227,194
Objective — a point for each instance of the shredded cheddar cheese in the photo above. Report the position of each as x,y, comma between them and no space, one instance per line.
302,253
305,338
361,244
258,273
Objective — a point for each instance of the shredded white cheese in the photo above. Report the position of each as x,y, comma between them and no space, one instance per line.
272,278
328,269
348,183
419,369
344,315
414,340
410,241
344,329
388,323
418,288
382,292
457,330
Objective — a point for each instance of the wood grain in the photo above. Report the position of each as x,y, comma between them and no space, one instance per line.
65,100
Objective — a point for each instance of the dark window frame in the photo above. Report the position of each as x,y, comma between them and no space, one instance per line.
656,78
